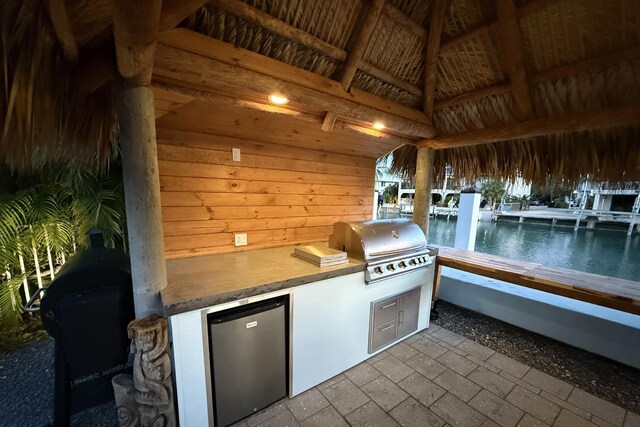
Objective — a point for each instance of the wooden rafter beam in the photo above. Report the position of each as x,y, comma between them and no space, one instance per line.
513,53
462,38
255,16
361,42
176,11
431,55
572,69
472,96
389,78
398,16
193,60
263,19
57,11
522,11
565,123
598,62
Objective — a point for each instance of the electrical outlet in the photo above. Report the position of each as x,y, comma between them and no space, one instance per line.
236,154
241,239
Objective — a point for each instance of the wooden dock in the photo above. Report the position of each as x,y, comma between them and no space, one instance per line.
588,219
611,292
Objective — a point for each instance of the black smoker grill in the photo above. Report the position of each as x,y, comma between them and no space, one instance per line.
86,309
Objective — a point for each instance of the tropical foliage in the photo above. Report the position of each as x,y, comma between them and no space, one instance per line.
47,220
492,190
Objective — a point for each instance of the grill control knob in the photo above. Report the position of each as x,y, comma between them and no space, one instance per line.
377,270
402,265
390,267
412,262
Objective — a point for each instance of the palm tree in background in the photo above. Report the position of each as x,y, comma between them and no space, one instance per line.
48,220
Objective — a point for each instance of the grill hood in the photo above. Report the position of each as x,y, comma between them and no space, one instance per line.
373,240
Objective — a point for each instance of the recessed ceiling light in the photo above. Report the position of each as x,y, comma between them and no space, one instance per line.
378,125
278,99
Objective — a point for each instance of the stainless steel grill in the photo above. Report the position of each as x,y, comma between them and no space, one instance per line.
389,247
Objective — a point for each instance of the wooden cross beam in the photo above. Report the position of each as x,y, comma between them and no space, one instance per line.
565,123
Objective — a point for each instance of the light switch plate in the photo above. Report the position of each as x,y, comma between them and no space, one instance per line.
241,239
236,154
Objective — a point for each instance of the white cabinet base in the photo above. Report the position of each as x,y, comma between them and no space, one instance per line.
329,333
331,323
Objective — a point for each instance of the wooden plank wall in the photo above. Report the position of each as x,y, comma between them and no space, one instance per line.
277,194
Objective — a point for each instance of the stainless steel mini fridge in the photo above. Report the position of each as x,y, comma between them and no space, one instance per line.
248,348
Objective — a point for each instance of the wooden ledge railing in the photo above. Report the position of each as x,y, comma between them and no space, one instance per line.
611,292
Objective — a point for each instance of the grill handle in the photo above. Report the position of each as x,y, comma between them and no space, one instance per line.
29,307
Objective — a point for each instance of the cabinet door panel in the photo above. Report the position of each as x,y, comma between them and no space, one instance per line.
408,310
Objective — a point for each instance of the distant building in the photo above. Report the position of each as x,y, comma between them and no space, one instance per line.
602,196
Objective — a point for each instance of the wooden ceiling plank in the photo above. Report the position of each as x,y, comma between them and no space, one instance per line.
399,16
62,28
177,67
361,42
185,95
135,29
513,54
564,123
431,55
276,75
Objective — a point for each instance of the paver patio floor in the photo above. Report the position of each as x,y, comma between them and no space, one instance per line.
439,378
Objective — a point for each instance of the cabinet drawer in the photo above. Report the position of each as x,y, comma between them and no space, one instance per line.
383,335
385,311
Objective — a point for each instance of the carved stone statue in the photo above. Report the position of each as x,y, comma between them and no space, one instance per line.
152,371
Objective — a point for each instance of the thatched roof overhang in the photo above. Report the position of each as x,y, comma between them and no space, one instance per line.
496,66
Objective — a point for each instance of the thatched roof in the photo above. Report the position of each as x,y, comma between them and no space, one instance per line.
571,56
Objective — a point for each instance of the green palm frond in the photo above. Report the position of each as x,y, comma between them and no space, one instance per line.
10,302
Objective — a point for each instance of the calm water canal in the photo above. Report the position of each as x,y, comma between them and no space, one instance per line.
611,253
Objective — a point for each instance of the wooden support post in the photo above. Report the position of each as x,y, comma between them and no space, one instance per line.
135,28
422,200
135,108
